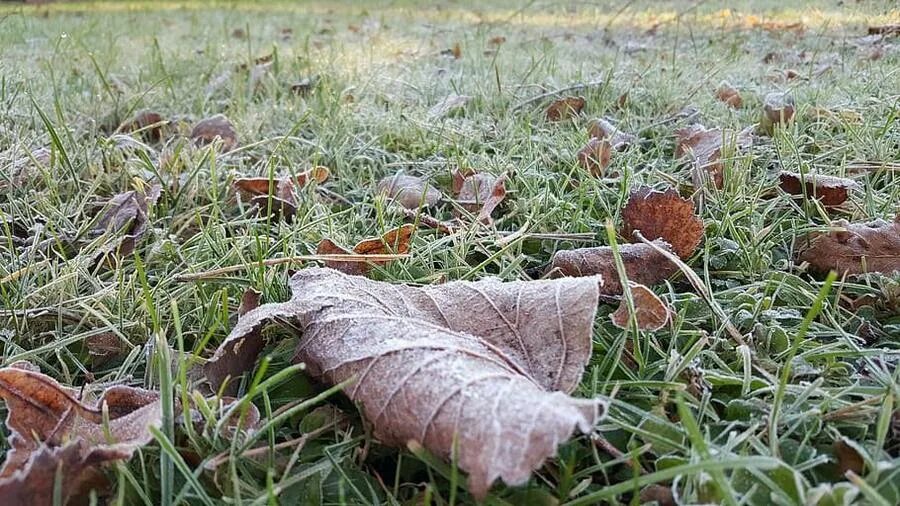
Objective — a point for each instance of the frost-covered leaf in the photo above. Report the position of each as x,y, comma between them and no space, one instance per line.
704,148
643,265
650,311
480,366
409,191
565,108
395,241
216,127
830,190
855,248
663,215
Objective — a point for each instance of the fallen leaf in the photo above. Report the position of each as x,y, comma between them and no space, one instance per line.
479,193
216,127
604,130
830,190
848,456
729,95
704,148
791,74
304,86
659,494
565,108
448,105
50,427
408,191
238,33
105,346
643,265
249,301
126,212
21,167
855,248
778,109
663,215
477,371
395,241
282,187
455,51
149,123
884,30
651,313
594,157
497,40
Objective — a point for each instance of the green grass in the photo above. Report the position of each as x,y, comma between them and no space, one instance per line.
752,425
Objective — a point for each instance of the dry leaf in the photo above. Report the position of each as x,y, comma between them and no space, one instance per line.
830,190
604,130
884,30
594,156
20,170
238,33
479,193
778,109
451,103
643,265
409,191
663,215
474,370
565,108
497,40
651,312
729,95
105,346
216,127
128,212
394,241
249,301
659,494
848,457
704,148
855,248
50,427
149,123
249,187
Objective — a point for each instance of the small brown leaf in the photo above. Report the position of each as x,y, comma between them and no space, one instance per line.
778,109
249,187
830,190
394,241
105,346
604,130
565,108
594,156
480,193
149,123
249,301
729,95
49,427
848,457
216,127
659,494
704,147
494,358
126,212
643,265
497,40
408,191
855,248
663,215
651,312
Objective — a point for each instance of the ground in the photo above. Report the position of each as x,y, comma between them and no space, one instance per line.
690,410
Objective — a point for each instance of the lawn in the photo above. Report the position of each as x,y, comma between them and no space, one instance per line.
768,382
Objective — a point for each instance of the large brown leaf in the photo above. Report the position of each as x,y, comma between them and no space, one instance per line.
830,190
704,147
480,366
643,265
50,426
663,215
855,248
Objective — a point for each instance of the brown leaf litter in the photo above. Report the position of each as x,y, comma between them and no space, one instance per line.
643,265
651,313
219,127
595,156
52,429
830,190
729,95
395,241
149,124
280,190
854,248
479,192
565,108
126,212
704,148
478,371
778,109
663,215
604,130
409,191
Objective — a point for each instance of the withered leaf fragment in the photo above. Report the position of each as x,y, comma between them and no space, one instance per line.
663,215
148,123
830,190
105,346
778,109
565,108
281,189
594,156
408,191
651,313
50,427
729,95
479,192
704,147
216,127
394,241
478,371
643,265
604,130
855,248
128,212
249,301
